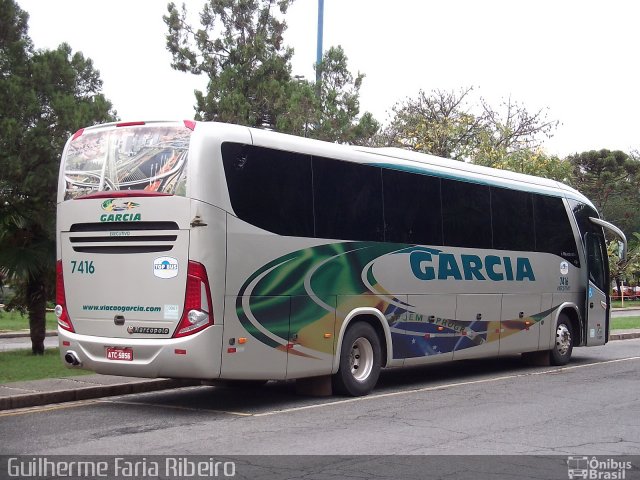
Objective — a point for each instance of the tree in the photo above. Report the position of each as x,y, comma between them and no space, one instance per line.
443,123
439,123
330,109
45,96
535,162
510,130
619,269
302,113
611,180
339,104
240,48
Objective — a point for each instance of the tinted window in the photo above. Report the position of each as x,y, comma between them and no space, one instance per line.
412,209
512,215
348,200
270,189
582,213
553,231
597,260
466,212
593,237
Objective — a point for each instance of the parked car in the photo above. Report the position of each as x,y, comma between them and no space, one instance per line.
629,293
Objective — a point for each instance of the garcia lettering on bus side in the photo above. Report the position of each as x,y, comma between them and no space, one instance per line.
470,267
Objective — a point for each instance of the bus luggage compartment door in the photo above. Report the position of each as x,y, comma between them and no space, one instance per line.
478,317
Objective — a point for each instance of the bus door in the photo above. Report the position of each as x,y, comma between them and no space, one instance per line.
597,301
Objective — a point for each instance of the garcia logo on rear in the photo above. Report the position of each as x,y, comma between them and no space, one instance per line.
115,205
112,205
165,267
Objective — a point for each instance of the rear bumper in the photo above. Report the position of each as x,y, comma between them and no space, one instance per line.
196,356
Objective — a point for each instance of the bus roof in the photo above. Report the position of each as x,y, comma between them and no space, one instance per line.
387,157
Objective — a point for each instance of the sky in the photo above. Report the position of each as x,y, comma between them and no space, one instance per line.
577,59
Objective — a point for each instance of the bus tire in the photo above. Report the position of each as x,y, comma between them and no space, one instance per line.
563,346
360,361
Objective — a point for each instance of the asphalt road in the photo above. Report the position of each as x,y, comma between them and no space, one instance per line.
591,407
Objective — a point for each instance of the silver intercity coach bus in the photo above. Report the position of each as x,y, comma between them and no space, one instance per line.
206,251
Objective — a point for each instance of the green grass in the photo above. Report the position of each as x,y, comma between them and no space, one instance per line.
627,304
625,323
20,365
11,321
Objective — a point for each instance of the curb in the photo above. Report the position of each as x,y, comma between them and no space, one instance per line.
20,334
45,398
624,335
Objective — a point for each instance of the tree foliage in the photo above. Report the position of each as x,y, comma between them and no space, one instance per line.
302,114
439,123
624,269
446,124
240,48
329,110
535,162
339,105
45,96
510,129
611,180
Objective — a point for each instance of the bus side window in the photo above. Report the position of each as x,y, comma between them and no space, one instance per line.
553,230
412,209
269,188
512,218
466,212
347,200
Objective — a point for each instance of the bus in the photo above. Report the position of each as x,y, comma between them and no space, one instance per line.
210,251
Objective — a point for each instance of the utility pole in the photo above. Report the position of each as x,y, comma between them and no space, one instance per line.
319,45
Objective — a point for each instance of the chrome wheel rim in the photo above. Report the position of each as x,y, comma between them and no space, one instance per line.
563,339
361,359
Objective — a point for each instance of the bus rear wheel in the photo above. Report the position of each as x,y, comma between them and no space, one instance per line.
360,361
561,351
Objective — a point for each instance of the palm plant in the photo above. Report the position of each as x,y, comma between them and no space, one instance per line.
27,258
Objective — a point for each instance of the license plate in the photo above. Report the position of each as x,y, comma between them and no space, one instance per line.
115,353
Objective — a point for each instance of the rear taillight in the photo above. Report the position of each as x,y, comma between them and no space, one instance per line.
77,134
198,312
61,301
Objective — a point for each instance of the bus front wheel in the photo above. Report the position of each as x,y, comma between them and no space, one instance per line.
561,351
360,361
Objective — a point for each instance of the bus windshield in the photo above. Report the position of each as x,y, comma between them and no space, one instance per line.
142,157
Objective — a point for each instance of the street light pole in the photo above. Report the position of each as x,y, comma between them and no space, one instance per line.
319,44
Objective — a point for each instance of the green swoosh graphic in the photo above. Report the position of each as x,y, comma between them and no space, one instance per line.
296,295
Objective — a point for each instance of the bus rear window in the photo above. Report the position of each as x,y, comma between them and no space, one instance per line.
152,158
